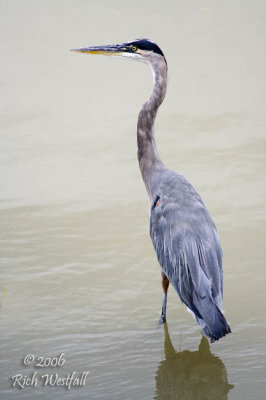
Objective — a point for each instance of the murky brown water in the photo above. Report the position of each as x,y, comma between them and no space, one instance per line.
78,271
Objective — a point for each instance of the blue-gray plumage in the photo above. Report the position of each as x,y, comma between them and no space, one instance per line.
183,233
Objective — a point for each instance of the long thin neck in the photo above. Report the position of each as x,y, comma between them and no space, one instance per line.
149,160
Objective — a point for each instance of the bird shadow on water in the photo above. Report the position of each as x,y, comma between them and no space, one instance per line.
191,375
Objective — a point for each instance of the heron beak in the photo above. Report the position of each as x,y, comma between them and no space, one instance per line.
110,50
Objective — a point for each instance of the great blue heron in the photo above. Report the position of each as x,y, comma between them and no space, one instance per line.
182,231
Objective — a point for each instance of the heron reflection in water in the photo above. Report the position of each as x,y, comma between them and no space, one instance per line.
182,231
191,375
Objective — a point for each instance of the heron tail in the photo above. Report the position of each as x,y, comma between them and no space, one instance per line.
215,326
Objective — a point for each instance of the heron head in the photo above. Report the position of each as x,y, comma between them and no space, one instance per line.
140,49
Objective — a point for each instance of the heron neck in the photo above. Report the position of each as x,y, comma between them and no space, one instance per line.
149,160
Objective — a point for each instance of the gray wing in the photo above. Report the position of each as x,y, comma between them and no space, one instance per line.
187,245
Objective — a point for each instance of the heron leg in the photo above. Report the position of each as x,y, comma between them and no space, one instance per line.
165,284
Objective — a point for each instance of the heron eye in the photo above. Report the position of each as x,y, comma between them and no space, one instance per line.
133,48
